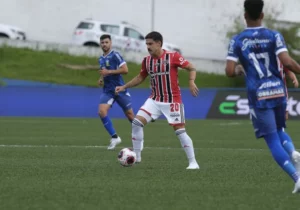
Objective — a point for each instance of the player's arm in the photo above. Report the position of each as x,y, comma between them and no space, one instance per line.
184,64
139,78
123,69
283,55
292,77
192,71
192,77
289,62
122,66
132,83
179,61
136,80
100,80
232,68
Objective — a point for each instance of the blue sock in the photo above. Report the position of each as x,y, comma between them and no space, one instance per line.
280,155
286,142
109,127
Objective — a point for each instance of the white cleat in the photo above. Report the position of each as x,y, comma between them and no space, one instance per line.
296,160
138,157
193,165
297,187
114,142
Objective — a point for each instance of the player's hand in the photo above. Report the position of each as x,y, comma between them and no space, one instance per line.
286,115
119,89
104,72
296,83
100,82
239,70
193,88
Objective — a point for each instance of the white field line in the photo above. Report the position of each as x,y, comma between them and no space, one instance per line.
45,121
104,147
78,121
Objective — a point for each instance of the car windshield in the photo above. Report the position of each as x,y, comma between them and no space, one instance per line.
85,25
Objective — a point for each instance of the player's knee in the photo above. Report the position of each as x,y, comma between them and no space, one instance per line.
102,113
178,127
130,115
180,131
139,120
137,123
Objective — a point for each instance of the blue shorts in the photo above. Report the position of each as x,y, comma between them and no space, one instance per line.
123,99
266,121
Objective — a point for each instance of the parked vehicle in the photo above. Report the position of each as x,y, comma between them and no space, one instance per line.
12,32
124,35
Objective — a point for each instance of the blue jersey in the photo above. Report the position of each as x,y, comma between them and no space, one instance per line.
257,50
112,61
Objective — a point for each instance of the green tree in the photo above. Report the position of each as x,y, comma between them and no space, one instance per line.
289,30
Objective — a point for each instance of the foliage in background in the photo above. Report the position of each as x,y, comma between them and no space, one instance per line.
289,30
55,67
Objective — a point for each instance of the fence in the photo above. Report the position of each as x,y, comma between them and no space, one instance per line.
203,65
70,101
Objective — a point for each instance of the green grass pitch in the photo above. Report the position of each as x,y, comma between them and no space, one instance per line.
58,163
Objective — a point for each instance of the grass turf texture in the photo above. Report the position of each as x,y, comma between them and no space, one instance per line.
45,66
237,171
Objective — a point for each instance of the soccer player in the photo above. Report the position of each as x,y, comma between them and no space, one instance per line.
112,66
257,49
284,136
287,73
162,67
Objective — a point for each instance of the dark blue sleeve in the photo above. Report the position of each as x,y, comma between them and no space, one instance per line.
279,42
101,62
232,50
118,58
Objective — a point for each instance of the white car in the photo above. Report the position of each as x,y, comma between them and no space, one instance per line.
124,36
12,32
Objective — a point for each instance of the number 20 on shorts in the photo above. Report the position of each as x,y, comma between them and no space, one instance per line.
174,107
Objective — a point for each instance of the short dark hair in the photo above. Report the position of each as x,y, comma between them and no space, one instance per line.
156,36
105,36
254,8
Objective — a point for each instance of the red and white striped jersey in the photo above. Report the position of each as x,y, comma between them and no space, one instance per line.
164,76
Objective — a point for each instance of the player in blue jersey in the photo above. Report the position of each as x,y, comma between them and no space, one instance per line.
112,66
257,49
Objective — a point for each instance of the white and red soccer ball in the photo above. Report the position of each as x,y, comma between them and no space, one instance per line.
126,157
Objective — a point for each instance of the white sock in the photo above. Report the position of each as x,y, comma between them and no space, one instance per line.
187,144
137,137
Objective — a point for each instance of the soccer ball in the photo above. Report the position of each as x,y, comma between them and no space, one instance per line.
126,157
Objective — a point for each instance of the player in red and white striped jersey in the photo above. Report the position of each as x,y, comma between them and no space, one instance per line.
164,76
162,67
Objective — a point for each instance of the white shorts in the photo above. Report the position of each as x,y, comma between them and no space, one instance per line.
174,112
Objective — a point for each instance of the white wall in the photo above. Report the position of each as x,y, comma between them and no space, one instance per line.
199,26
